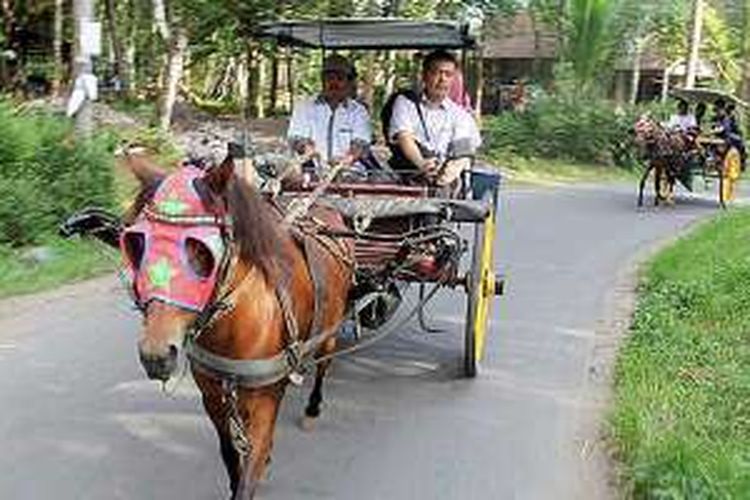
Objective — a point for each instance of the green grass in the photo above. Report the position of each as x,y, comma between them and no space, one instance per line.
681,421
72,261
558,171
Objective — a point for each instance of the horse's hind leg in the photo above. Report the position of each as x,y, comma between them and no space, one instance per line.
312,411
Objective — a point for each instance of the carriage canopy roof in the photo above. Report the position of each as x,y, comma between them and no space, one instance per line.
369,33
706,95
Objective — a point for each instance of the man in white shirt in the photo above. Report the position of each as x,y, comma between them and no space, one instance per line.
432,131
331,126
683,121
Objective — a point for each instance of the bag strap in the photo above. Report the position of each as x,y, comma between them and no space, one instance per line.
416,98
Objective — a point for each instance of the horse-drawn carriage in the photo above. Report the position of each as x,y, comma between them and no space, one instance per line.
253,286
406,233
680,156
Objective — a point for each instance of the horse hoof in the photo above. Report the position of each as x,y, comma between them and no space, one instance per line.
266,474
307,424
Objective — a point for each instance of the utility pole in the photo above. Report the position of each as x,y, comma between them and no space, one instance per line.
83,11
695,43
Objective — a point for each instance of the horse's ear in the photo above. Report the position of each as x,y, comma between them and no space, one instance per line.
218,177
143,168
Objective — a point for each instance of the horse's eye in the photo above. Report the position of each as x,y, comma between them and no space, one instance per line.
134,245
200,258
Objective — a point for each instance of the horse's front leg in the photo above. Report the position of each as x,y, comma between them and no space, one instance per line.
312,411
642,184
259,410
214,402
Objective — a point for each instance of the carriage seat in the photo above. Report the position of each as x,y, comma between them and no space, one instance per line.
378,207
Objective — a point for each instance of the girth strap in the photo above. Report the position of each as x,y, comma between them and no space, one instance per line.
250,373
255,373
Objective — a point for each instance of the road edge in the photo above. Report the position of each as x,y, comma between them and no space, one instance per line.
602,479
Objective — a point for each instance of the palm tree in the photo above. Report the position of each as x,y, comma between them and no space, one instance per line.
590,37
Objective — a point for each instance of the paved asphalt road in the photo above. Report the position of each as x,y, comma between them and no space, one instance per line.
79,420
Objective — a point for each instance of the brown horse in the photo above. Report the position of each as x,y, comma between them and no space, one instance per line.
664,152
267,308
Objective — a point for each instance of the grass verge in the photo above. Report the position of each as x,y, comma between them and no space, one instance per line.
681,421
66,261
557,171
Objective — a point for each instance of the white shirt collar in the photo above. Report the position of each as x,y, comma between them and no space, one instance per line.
322,100
442,104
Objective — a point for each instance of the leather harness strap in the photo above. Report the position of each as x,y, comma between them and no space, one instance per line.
254,373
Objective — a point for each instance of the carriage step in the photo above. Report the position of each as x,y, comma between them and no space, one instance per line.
499,284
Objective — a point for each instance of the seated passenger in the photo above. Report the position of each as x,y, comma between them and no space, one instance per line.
428,132
331,126
683,121
735,133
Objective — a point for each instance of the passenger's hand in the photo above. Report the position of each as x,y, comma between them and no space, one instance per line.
308,149
429,166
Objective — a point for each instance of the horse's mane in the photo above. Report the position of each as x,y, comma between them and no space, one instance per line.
256,230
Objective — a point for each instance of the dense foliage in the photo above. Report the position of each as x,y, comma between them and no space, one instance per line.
45,175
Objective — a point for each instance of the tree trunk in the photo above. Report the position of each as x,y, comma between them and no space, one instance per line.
390,79
132,30
368,84
7,67
290,78
274,82
695,43
120,62
252,105
175,64
161,25
57,48
560,28
535,63
259,85
744,89
83,12
636,81
242,73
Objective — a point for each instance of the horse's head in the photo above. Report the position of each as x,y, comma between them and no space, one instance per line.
174,247
645,129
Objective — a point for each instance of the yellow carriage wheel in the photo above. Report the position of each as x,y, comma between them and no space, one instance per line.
730,172
480,287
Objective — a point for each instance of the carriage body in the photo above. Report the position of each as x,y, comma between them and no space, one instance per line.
409,235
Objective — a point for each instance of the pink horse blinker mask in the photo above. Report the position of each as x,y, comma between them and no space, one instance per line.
174,250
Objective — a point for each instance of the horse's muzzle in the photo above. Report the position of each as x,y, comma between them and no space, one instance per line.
160,366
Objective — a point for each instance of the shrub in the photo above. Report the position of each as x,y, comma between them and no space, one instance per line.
45,175
569,127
